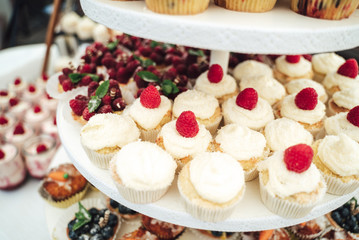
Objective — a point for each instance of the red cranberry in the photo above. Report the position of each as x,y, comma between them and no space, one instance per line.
131,66
62,78
145,51
159,50
181,69
92,88
111,73
86,68
106,100
85,81
105,109
67,85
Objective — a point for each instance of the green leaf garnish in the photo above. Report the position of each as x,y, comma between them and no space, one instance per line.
198,53
154,44
83,217
94,103
148,76
76,77
102,89
168,87
112,45
144,63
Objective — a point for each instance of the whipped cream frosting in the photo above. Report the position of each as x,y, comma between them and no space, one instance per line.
241,142
250,69
267,87
144,166
69,22
21,107
293,69
31,116
18,88
340,154
10,123
217,177
284,183
201,104
290,110
101,33
179,146
327,62
255,119
108,130
284,132
4,100
226,86
149,118
84,28
347,98
295,86
339,124
333,79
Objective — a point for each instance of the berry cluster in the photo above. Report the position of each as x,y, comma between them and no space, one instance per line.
344,216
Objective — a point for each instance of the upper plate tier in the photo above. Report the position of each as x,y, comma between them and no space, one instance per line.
279,31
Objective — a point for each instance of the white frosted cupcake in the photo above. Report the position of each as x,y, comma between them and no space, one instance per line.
211,186
291,67
204,106
6,122
69,22
4,99
105,134
17,107
150,112
101,34
267,87
217,83
247,146
337,157
18,134
324,63
18,86
290,184
284,132
247,109
32,94
35,117
251,69
343,101
142,172
298,85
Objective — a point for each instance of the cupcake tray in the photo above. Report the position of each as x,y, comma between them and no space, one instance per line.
279,31
250,215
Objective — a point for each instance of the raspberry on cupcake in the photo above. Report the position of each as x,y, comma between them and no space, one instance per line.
343,101
290,67
35,117
4,99
324,63
6,122
18,134
17,107
18,86
32,93
297,85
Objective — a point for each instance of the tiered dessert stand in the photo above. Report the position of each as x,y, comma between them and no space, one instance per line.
279,31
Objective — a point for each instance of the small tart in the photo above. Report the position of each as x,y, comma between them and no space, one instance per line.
140,234
163,230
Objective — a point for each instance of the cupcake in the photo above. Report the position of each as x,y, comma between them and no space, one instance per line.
211,186
19,134
17,107
12,168
345,122
217,83
4,99
284,132
324,63
32,94
267,87
247,109
290,67
63,186
290,185
35,117
139,234
125,212
345,77
18,86
325,9
304,108
164,230
251,69
337,157
311,229
105,134
184,138
150,112
247,6
6,122
142,172
237,141
296,86
343,101
177,7
204,106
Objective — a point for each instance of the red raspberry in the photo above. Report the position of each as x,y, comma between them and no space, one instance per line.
2,154
349,68
41,148
37,109
78,106
3,120
106,100
3,93
145,51
293,58
17,81
86,114
86,68
150,97
353,116
215,73
298,158
82,98
85,81
118,104
113,84
187,125
105,109
306,99
67,85
32,88
247,98
45,77
92,88
13,101
19,129
67,71
307,57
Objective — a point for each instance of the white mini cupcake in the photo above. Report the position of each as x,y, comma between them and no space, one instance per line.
343,101
4,99
18,134
84,28
17,107
324,63
18,86
298,85
32,94
250,69
6,122
35,117
291,67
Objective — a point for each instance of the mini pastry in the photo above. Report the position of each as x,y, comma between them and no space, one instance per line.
32,94
247,109
324,63
217,83
49,103
84,28
139,234
311,229
211,185
125,212
256,6
4,99
290,67
163,230
251,69
18,86
6,122
210,235
343,101
18,107
35,117
18,134
272,234
296,86
177,7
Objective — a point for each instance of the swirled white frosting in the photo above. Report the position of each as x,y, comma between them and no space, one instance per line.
69,22
84,28
327,62
339,124
144,166
293,69
179,146
295,86
284,132
149,118
290,110
267,87
201,104
334,79
217,177
251,68
284,183
347,98
108,130
226,86
255,119
32,117
241,142
101,33
340,154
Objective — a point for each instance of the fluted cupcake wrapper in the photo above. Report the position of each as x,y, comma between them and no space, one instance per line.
149,135
99,159
337,187
177,7
251,174
213,126
247,6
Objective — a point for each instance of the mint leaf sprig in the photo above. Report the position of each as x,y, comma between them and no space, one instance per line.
101,91
144,62
167,86
82,216
77,77
112,45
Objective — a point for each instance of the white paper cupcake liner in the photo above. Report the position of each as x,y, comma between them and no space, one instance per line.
201,236
98,159
337,187
251,174
212,127
149,135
